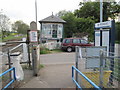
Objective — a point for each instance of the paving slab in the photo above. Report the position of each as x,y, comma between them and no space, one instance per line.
52,76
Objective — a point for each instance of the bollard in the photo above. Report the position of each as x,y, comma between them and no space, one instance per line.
35,59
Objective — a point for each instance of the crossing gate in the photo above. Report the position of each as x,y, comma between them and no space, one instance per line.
99,66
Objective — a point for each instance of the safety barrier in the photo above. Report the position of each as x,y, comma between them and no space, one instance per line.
14,77
80,73
99,65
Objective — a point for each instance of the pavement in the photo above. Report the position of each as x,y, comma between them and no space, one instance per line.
52,76
57,72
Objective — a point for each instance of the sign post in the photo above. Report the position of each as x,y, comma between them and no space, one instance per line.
34,41
105,36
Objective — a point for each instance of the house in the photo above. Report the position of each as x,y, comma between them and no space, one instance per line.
51,31
51,28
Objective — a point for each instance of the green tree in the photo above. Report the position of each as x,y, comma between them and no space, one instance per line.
70,27
117,26
85,25
75,27
92,10
4,25
20,27
62,13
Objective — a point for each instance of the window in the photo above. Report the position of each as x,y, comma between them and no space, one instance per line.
54,34
67,41
84,41
76,41
49,32
55,26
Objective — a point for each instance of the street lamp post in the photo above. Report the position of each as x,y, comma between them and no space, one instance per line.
101,10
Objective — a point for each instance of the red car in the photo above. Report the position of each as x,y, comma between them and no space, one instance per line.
69,44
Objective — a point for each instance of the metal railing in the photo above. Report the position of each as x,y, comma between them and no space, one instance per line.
112,63
80,73
99,65
14,77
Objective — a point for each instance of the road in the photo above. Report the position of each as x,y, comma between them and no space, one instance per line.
56,73
63,58
59,58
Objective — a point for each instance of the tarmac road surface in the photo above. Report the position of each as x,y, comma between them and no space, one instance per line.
59,58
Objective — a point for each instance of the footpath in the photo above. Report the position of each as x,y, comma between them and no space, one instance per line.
52,76
57,75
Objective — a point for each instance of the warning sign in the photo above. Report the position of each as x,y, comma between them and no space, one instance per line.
33,34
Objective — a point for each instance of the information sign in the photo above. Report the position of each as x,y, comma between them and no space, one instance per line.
33,34
106,24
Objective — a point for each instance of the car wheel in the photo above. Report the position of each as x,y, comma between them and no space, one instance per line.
69,49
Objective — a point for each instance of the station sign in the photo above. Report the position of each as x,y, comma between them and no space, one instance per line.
106,24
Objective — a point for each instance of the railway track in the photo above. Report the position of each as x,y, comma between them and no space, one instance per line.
4,54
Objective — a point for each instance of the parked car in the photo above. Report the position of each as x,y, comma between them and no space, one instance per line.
69,44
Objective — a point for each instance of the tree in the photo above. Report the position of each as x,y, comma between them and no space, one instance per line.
76,26
92,10
62,13
85,26
117,27
20,27
4,25
70,27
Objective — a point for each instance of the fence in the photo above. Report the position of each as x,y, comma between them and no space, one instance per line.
100,66
12,57
87,79
14,77
112,64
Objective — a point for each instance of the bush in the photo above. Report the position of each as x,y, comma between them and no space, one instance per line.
44,50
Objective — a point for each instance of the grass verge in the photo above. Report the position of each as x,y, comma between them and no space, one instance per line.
12,37
47,51
26,67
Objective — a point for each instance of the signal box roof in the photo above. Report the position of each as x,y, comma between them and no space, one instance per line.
52,19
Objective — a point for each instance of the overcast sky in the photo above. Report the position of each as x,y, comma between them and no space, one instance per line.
25,9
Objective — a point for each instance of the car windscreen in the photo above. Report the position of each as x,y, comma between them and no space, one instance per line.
84,41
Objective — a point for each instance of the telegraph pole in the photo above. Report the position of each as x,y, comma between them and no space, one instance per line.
101,19
36,11
101,10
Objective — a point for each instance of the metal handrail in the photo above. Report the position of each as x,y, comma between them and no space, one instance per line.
93,84
13,68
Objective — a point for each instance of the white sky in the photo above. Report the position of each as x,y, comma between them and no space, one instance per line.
25,9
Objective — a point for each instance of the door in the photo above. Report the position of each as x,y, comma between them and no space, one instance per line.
76,42
54,34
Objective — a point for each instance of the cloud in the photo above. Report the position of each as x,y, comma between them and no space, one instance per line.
25,9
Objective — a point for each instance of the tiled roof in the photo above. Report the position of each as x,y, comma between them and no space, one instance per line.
52,19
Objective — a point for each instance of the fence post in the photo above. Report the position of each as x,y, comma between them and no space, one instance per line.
9,62
112,69
101,69
28,49
76,62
